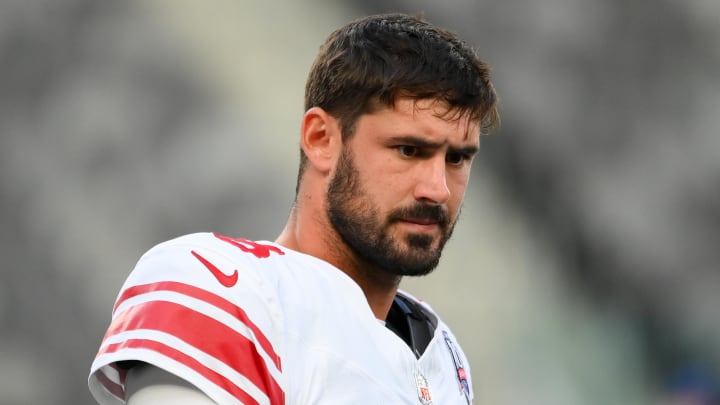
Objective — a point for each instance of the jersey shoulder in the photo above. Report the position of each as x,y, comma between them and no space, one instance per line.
202,307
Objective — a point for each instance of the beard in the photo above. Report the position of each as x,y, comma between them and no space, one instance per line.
356,218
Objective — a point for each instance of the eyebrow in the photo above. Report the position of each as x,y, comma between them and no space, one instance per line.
425,144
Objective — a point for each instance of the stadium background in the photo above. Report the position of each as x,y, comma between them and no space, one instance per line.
585,269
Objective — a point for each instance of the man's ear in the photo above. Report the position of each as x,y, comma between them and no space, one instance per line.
320,138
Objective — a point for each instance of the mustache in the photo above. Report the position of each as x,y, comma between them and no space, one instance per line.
434,213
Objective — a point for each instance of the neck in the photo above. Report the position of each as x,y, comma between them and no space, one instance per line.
378,285
301,234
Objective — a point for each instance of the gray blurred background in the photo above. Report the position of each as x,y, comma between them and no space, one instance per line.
585,269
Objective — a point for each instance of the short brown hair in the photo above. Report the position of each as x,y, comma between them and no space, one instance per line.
369,62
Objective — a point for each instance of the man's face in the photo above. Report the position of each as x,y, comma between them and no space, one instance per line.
398,185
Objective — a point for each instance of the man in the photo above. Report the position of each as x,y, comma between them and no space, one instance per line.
394,111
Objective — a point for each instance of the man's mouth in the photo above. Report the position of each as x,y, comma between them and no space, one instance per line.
420,225
421,221
422,218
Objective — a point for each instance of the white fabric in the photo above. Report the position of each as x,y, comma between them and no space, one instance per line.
149,385
291,329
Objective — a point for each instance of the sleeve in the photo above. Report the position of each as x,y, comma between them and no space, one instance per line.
149,385
178,312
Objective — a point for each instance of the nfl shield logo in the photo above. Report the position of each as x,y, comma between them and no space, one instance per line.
423,389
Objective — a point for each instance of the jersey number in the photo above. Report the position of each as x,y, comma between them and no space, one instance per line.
258,249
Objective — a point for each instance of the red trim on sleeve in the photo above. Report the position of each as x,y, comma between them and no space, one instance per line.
114,388
210,374
210,298
202,332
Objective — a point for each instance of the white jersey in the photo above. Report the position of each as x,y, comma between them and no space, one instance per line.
256,323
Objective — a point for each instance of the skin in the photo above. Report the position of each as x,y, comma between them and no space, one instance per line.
411,155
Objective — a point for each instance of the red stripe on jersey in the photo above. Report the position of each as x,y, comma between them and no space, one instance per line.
203,332
210,298
210,374
114,388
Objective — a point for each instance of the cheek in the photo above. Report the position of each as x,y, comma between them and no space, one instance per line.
387,175
457,188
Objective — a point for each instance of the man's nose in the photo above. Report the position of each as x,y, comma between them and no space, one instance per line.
432,185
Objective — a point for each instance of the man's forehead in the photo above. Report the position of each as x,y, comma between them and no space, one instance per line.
441,109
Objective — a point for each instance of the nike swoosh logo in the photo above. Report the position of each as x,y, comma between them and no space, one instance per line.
224,279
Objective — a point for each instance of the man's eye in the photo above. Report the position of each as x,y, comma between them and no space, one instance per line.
455,158
408,151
